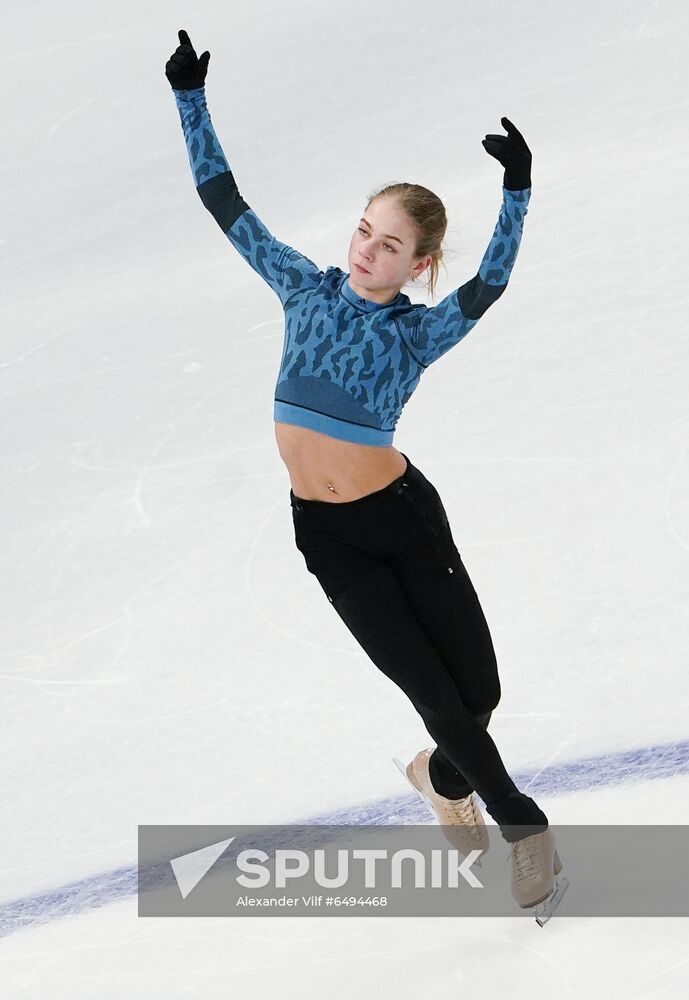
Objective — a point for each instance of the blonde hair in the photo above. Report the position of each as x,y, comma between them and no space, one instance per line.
428,215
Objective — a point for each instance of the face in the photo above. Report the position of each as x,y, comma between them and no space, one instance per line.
384,245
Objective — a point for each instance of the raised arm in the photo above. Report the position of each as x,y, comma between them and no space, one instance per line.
435,330
280,265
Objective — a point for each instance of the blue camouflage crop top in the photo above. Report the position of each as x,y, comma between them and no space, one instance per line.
348,364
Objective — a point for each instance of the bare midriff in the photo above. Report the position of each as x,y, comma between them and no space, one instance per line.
317,461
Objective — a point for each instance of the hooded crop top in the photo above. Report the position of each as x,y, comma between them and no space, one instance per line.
348,364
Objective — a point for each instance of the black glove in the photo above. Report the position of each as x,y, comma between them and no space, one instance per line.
513,153
183,69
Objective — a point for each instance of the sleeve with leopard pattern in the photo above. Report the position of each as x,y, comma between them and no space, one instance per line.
436,329
280,265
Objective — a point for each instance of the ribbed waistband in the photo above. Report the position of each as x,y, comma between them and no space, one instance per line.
299,503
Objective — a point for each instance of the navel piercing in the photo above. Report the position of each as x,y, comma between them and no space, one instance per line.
331,487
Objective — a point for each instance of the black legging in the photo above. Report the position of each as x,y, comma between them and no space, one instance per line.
390,567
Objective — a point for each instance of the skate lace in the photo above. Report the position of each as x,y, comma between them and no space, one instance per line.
527,855
465,811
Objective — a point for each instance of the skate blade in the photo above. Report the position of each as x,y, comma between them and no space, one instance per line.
404,772
403,769
544,911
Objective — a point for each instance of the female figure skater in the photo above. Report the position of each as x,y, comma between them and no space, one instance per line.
371,527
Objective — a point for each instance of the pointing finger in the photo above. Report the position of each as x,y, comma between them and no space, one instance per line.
510,128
